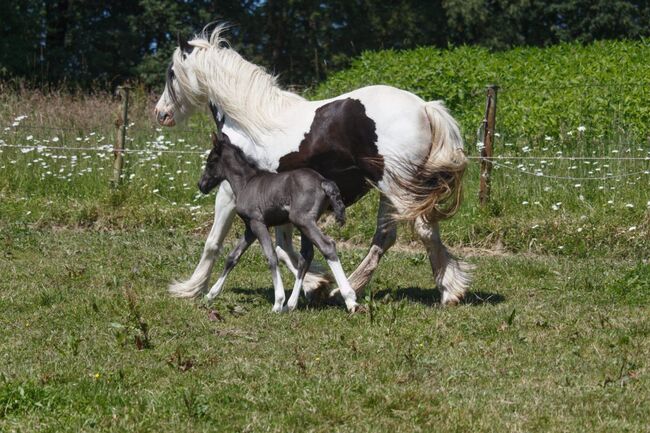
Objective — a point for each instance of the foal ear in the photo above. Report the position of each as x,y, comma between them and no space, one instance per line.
215,140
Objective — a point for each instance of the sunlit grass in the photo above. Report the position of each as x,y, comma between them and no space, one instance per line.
90,340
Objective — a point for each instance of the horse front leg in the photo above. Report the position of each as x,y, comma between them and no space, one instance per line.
266,242
231,262
224,207
384,238
317,282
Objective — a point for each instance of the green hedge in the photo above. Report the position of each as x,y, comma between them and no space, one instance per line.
544,91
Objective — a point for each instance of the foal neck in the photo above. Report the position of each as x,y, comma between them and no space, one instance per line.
237,169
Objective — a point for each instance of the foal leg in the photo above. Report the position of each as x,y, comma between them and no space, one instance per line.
316,280
452,276
231,262
284,248
263,235
326,246
384,238
224,207
306,256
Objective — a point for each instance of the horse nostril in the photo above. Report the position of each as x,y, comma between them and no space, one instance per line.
162,116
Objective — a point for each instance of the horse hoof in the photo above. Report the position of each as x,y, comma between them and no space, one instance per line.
279,309
358,309
449,300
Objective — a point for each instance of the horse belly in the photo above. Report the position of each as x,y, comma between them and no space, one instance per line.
276,216
341,146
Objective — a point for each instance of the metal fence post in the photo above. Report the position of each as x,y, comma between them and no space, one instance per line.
488,142
120,143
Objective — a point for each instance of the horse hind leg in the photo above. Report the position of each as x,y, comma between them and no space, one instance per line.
327,247
384,237
306,256
317,282
453,276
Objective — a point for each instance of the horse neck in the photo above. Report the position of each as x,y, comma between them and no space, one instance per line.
249,96
236,168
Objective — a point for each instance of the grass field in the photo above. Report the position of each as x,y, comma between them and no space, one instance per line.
553,337
91,342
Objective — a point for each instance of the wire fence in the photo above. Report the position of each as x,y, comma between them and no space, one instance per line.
507,160
158,148
110,148
107,148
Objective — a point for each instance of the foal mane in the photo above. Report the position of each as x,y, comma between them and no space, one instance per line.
245,92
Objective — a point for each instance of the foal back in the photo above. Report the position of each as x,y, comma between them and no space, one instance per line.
280,198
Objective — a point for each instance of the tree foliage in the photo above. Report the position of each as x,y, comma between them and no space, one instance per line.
105,42
543,91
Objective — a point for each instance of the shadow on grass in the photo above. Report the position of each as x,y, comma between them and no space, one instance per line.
259,293
267,294
426,296
431,296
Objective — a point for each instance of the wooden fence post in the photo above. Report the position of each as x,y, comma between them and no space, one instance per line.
120,143
488,141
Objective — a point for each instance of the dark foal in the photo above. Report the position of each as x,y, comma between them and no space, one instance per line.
265,199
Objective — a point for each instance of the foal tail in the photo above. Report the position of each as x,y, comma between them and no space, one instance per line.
334,195
432,189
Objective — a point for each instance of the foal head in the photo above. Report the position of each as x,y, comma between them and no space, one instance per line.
214,172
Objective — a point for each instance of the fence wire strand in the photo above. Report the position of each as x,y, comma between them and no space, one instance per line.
549,176
104,149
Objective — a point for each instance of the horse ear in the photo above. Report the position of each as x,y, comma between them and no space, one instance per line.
216,142
217,121
184,45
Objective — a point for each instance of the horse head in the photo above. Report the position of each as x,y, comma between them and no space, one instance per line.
183,92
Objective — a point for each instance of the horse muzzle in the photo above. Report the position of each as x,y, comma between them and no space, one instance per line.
206,185
165,118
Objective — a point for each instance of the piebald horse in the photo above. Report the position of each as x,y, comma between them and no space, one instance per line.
380,136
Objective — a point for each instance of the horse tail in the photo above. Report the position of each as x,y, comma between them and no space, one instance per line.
432,189
333,193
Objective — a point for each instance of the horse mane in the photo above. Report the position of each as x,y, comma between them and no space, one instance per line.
245,92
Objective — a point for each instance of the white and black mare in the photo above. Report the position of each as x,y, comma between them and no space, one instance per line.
409,149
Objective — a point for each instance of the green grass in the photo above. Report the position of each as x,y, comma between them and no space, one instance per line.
553,337
92,342
527,213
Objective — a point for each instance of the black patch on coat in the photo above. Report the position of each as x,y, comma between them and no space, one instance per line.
340,145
